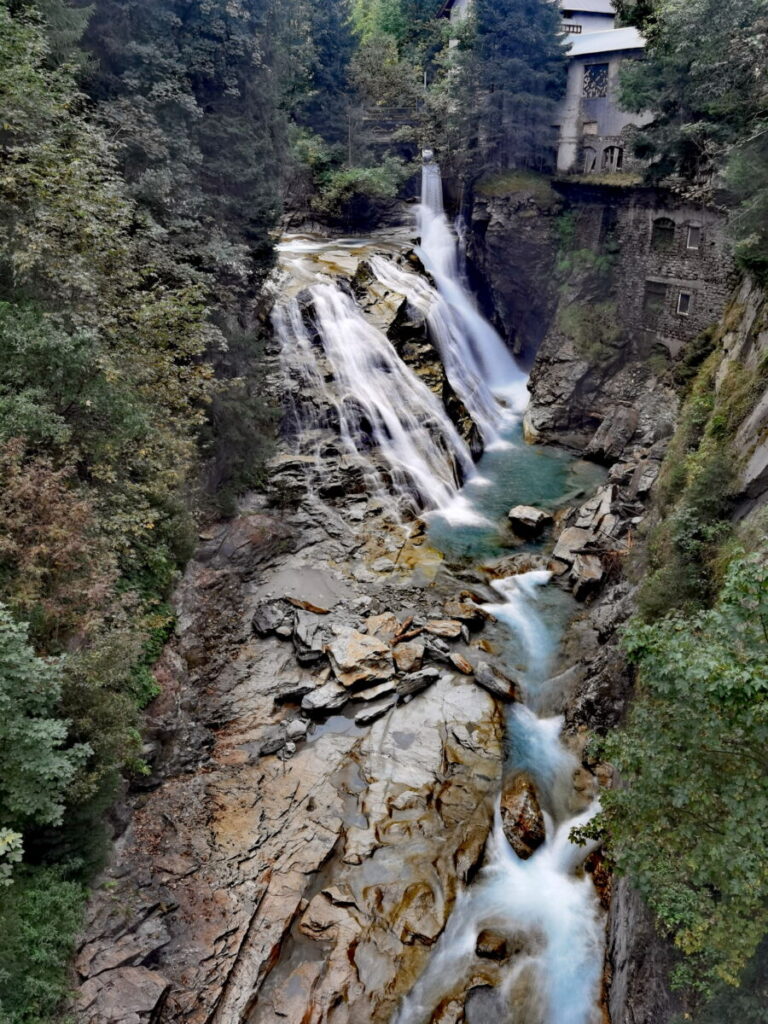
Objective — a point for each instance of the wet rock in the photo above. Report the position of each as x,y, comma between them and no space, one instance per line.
528,521
296,729
466,611
496,683
375,711
492,945
448,628
460,662
415,682
329,697
273,741
521,815
513,565
358,658
409,656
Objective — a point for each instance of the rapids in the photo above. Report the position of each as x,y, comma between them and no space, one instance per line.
348,383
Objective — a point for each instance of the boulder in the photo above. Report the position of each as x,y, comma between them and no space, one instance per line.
309,637
357,658
325,698
409,656
384,627
586,576
492,945
415,682
460,662
496,683
466,611
528,521
571,541
521,815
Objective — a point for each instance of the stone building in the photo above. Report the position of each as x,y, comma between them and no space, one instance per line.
592,127
671,263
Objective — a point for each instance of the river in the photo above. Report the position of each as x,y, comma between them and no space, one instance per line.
350,386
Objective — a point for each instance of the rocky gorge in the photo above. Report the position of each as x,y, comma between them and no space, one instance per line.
340,702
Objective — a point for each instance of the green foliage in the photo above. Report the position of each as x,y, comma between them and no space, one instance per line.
689,824
695,499
706,79
594,328
40,915
35,768
11,850
346,192
519,78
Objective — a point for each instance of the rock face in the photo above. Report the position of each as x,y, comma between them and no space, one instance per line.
521,815
517,277
261,830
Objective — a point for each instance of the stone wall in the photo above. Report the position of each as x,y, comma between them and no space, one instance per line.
698,263
601,380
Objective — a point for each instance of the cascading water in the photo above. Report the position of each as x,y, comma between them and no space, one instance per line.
352,390
555,977
378,402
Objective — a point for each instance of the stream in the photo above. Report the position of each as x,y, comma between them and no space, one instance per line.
352,393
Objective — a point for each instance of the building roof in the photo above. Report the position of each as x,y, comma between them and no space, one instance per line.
588,6
605,42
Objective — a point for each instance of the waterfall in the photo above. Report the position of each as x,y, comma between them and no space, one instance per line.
360,385
478,363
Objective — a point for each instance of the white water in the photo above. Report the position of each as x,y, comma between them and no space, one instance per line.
546,896
379,402
349,383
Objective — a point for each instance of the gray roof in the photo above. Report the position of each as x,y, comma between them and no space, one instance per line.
605,42
588,6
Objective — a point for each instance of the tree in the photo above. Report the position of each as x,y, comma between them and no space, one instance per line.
689,823
705,78
519,77
35,765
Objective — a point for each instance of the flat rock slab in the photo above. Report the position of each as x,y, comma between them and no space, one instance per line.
357,658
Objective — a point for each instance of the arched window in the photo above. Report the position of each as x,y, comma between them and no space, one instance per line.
590,159
613,158
663,233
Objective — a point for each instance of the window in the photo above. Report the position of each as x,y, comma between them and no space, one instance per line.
573,29
654,298
590,127
595,81
590,159
662,234
613,158
684,303
694,237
